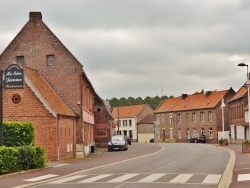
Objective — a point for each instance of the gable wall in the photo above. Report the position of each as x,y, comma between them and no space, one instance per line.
32,110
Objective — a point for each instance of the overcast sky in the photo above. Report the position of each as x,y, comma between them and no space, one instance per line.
139,48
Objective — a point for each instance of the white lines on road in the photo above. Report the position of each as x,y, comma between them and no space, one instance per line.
39,178
70,178
212,178
59,165
151,178
243,177
123,178
95,178
181,178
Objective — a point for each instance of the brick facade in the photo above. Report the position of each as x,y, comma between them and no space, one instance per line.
39,49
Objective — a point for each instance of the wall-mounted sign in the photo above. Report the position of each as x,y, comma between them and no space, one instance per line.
14,77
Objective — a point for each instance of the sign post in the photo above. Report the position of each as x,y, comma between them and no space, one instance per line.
11,78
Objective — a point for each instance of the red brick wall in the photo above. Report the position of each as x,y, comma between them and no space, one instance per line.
32,110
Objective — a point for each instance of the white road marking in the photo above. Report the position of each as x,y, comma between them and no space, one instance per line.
152,178
212,178
243,177
181,178
123,178
59,165
95,178
39,178
63,180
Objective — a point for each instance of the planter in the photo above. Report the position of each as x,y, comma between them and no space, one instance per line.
223,142
245,148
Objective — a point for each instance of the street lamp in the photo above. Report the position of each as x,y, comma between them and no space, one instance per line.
248,93
222,108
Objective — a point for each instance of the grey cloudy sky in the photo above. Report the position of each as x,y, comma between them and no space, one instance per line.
142,48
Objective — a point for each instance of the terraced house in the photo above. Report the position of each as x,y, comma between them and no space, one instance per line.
127,118
58,98
180,117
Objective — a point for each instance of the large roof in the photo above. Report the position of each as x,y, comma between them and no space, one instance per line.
47,95
127,111
190,102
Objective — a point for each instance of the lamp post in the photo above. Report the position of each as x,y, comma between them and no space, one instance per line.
248,93
222,108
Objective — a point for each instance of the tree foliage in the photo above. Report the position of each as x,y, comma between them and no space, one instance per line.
153,102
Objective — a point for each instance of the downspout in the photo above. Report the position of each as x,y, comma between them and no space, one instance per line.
58,139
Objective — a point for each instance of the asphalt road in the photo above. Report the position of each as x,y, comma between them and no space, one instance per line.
175,165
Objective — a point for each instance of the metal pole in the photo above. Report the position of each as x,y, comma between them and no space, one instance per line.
222,122
1,108
118,122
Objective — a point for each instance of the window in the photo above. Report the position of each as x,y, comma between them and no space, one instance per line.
130,122
210,133
171,119
124,122
194,117
202,117
179,118
210,118
187,117
188,133
202,131
50,60
179,133
163,117
20,59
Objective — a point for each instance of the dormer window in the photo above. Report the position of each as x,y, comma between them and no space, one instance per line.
50,60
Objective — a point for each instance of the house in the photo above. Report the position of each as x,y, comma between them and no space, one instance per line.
146,129
239,124
127,118
180,117
58,98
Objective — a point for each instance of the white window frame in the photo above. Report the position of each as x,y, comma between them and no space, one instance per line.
171,119
179,118
194,117
210,133
179,133
210,116
202,116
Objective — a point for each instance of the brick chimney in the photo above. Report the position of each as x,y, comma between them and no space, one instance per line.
183,96
35,16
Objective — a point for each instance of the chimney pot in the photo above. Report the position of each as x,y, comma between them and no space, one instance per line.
35,16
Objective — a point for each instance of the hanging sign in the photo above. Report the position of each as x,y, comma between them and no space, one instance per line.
14,77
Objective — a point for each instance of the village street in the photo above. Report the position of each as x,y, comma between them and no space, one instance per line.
182,165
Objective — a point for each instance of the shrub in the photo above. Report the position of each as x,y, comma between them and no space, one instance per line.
246,142
9,160
223,140
18,134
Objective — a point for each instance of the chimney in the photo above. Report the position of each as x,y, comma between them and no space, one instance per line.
35,16
184,96
208,93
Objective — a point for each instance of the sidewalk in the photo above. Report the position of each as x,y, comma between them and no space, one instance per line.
241,169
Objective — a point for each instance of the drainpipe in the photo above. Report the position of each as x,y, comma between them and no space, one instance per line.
58,139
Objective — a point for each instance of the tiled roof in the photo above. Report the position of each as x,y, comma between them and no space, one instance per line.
149,119
191,102
47,95
240,93
127,111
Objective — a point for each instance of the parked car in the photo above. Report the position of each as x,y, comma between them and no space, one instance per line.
118,142
196,138
128,139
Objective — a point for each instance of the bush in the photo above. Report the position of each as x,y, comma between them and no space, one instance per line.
9,160
246,142
18,134
31,157
223,140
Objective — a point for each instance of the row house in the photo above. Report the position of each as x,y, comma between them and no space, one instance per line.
178,118
127,118
239,123
146,129
58,98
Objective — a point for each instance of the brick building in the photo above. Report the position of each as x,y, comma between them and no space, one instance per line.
180,117
127,118
239,125
49,64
